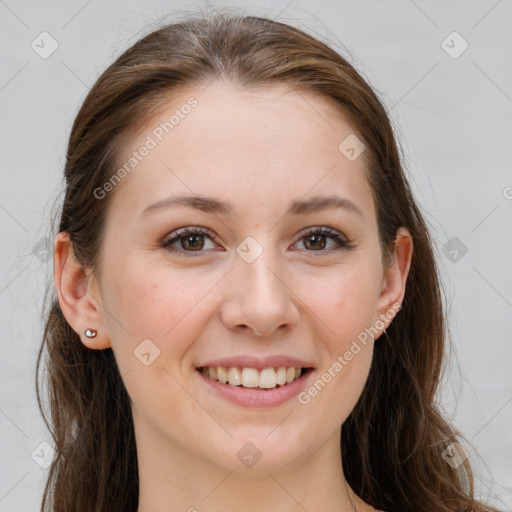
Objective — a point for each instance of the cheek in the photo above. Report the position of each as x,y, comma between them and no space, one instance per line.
344,338
166,307
159,304
346,303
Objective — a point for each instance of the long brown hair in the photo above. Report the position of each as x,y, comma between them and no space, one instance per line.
394,439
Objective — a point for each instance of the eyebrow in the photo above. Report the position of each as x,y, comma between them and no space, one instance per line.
211,205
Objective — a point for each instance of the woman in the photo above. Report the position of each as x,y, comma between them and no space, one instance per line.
248,312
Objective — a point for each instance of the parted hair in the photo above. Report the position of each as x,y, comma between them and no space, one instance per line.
393,440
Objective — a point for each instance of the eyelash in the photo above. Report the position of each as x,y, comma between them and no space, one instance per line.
182,233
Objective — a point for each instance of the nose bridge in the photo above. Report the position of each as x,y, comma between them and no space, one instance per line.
255,256
261,277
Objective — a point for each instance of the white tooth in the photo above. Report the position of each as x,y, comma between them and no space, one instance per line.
222,374
268,378
297,373
250,378
281,375
212,372
290,375
234,376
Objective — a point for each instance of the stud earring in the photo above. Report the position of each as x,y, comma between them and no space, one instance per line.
91,333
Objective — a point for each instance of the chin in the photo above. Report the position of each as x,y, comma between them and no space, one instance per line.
257,451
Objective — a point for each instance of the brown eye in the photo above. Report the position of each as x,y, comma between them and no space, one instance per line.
187,241
192,242
315,241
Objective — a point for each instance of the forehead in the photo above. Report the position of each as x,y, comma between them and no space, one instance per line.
243,145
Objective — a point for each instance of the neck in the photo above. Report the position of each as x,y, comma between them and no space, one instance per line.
172,479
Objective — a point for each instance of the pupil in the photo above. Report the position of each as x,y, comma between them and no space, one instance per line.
190,240
316,244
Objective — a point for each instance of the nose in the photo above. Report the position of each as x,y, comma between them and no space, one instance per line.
260,298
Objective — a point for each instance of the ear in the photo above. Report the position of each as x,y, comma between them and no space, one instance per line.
77,294
395,278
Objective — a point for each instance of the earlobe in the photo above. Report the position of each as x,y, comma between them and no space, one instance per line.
81,309
395,279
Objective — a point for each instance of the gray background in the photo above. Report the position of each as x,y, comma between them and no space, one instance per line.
453,117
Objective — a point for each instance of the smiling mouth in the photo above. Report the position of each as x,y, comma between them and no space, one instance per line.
252,378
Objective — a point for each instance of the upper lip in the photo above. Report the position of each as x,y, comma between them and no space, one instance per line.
258,362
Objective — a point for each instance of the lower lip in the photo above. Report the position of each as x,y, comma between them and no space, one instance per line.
255,398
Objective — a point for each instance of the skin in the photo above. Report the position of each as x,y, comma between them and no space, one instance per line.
259,150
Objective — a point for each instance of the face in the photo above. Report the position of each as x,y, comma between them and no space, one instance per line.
265,277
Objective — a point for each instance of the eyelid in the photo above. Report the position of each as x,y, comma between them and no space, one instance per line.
323,230
189,230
